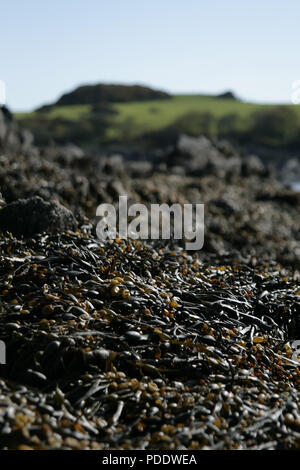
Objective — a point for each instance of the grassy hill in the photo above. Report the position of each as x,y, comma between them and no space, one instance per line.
156,115
192,114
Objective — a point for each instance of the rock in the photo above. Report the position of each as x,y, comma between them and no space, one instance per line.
140,168
227,95
69,153
64,154
28,217
290,171
195,147
226,147
113,165
252,165
8,131
199,156
11,137
27,140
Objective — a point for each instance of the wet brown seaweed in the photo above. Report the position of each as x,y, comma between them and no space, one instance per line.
129,345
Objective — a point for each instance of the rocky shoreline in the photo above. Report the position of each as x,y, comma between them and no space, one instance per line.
139,344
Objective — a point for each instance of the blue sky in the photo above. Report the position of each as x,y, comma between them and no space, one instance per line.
205,46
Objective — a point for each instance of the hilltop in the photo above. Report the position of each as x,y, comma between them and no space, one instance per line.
103,93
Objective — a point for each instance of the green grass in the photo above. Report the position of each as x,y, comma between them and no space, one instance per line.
135,118
155,115
72,113
159,113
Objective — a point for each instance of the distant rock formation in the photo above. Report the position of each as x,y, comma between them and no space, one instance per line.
228,95
98,94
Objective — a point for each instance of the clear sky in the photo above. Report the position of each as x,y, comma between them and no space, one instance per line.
205,46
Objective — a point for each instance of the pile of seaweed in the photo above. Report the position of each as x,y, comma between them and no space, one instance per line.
124,345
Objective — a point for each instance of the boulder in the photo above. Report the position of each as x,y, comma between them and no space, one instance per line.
200,156
31,216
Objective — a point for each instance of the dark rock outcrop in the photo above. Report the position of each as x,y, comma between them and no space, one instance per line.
227,95
100,93
199,156
31,216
